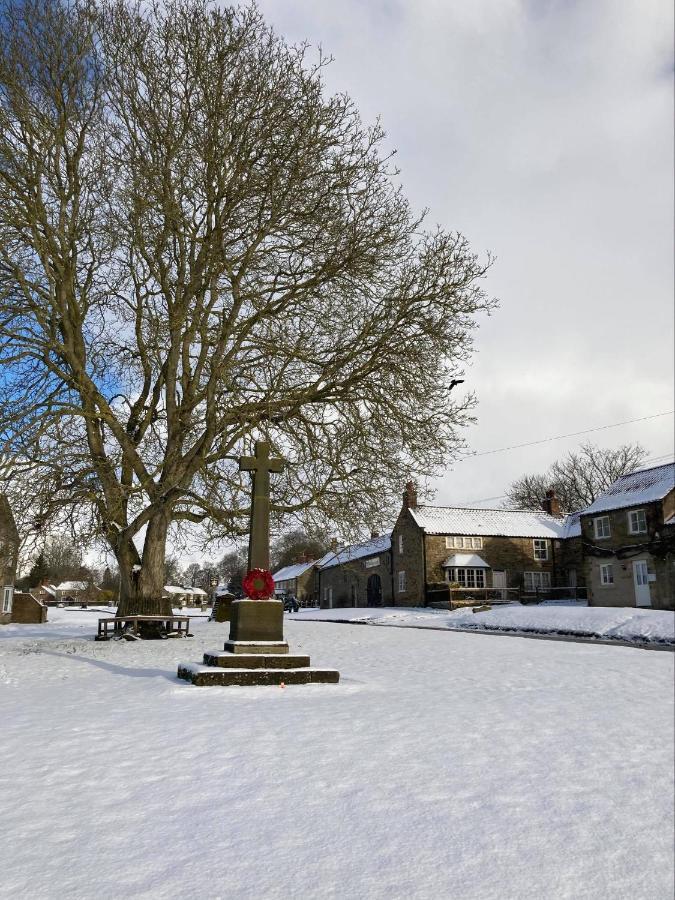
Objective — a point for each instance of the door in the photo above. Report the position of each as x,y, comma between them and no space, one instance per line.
499,582
641,582
374,590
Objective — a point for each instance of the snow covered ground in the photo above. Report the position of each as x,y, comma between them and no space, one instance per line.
444,765
554,618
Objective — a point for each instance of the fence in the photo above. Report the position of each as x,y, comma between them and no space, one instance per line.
462,596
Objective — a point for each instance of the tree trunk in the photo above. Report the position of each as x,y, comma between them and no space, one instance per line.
145,586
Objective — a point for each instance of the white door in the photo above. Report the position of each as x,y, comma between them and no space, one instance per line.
499,582
641,582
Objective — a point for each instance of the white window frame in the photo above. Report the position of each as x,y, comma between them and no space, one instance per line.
606,575
467,576
463,542
533,581
597,531
7,595
537,550
641,528
400,544
401,582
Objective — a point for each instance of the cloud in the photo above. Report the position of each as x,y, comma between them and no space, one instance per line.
541,129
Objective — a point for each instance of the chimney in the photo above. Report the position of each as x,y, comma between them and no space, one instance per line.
410,496
551,504
374,534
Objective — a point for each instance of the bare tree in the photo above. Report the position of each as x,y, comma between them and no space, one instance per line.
578,478
199,248
291,545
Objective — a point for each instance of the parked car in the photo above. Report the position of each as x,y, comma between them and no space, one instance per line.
291,604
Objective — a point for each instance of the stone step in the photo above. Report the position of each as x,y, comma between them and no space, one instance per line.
263,647
203,676
255,660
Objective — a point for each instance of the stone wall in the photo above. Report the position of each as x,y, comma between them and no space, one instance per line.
9,545
27,610
512,555
407,549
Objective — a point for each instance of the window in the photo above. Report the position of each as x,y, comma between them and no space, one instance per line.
459,542
537,580
401,582
400,543
372,562
606,574
7,599
540,549
468,578
601,527
637,522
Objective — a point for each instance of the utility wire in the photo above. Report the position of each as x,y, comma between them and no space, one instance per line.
559,437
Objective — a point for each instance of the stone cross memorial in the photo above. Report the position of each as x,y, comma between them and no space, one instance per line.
256,652
259,535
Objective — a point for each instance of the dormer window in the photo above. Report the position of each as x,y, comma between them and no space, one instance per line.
601,528
637,522
461,542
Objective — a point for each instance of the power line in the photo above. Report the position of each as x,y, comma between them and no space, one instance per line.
559,437
470,503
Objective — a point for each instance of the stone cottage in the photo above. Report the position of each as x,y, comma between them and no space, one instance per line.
298,580
358,575
9,546
629,541
516,551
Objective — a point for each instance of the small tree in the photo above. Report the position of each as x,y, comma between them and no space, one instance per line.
199,248
578,478
232,568
296,543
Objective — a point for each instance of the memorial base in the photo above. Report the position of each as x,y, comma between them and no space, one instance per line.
256,653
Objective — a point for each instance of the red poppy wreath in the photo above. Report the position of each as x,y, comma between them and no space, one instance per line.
258,584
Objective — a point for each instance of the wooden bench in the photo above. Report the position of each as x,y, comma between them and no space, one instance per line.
172,624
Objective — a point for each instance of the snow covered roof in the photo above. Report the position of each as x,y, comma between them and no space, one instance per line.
72,586
572,525
356,551
294,571
488,522
465,559
643,486
200,592
175,589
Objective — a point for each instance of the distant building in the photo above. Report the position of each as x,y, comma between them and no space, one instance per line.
299,579
9,546
629,541
46,593
189,596
357,575
72,592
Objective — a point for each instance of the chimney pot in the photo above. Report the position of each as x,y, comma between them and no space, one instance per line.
410,496
551,504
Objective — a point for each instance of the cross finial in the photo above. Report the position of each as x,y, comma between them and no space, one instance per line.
259,535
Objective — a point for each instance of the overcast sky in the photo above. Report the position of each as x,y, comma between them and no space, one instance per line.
542,130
